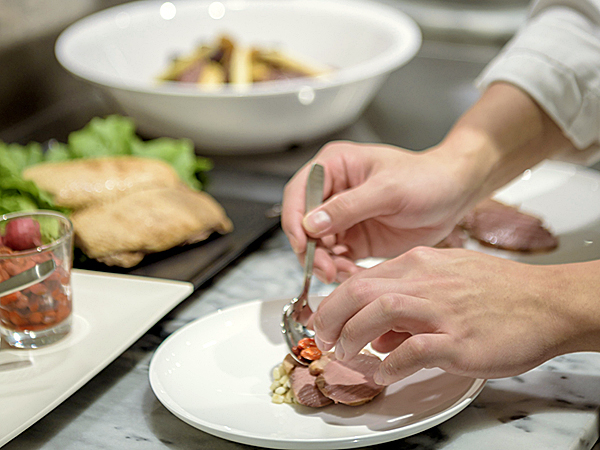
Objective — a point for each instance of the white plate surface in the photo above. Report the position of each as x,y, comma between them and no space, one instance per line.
110,313
567,198
215,372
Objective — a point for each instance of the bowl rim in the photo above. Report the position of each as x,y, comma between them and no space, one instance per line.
401,52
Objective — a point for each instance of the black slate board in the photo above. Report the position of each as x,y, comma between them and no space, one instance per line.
198,263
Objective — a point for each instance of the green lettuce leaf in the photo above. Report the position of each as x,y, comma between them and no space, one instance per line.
113,135
179,153
14,157
17,194
110,136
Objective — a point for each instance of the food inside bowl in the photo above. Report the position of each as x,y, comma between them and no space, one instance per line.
224,62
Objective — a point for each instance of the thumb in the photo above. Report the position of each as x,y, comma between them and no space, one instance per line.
344,210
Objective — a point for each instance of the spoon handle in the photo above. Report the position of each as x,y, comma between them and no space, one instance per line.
314,197
27,278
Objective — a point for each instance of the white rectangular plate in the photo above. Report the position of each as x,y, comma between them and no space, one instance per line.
110,313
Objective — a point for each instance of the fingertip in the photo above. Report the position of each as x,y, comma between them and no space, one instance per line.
322,345
294,244
324,268
340,353
320,275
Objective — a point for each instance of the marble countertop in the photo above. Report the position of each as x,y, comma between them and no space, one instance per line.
555,406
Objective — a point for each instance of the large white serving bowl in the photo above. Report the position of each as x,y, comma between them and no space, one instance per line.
125,48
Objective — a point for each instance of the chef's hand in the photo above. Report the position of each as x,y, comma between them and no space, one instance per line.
465,312
380,201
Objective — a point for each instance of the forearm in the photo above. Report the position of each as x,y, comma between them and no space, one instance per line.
503,134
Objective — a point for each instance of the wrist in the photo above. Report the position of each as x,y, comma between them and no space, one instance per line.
470,158
503,134
574,289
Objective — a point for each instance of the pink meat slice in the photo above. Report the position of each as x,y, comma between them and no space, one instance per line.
350,382
506,227
305,389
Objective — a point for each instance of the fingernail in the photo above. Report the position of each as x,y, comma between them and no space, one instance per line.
317,222
378,378
339,352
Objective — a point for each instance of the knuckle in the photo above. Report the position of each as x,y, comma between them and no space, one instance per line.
360,289
340,205
391,305
348,335
328,147
333,147
420,253
419,351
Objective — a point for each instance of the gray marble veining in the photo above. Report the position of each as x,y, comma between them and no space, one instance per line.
555,406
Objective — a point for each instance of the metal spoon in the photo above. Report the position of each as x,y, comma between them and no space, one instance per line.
27,278
297,312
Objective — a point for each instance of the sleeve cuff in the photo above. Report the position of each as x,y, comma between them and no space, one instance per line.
556,60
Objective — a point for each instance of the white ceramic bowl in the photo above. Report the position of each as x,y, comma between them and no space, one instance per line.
125,48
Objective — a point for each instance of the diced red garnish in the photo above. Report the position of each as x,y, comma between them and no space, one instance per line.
40,306
311,353
307,350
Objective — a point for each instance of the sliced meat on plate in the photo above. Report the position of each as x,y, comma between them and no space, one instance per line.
349,382
495,224
305,390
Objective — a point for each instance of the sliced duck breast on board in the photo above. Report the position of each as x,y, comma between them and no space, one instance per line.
495,224
349,382
305,389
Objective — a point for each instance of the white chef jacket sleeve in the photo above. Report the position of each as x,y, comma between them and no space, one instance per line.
555,58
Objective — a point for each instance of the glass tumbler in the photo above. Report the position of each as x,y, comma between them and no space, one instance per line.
40,314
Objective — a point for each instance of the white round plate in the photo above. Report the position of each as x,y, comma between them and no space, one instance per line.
567,198
215,373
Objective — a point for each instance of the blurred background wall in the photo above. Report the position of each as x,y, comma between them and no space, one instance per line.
31,80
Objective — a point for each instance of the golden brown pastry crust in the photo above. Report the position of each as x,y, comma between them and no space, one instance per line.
125,207
79,183
121,232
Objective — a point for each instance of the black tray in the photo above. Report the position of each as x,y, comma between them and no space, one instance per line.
198,263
